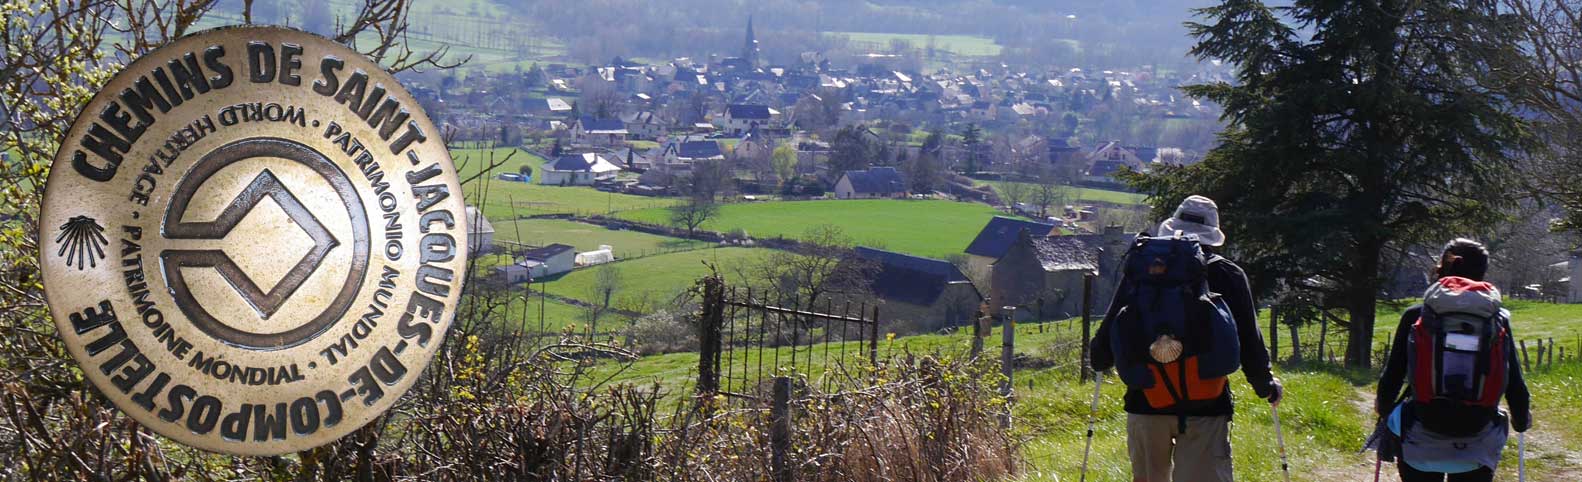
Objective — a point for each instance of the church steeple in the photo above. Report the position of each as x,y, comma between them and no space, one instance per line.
750,48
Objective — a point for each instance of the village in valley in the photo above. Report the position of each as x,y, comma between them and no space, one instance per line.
933,177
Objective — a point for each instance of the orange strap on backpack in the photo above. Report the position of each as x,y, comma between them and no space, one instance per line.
1169,379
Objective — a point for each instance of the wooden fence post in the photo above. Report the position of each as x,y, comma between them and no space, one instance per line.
1274,333
978,334
1007,362
1551,363
1525,366
709,336
780,430
1087,314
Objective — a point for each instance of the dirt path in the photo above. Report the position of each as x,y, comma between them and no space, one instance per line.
1543,448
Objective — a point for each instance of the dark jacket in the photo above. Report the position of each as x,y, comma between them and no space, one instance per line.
1230,282
1394,378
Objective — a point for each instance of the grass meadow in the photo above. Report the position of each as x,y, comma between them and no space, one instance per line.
588,237
921,227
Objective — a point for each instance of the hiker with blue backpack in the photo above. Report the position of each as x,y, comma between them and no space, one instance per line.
1181,322
1456,357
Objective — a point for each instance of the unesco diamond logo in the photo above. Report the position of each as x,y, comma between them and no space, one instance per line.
265,185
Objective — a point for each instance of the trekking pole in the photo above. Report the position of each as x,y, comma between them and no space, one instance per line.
1093,416
1378,464
1285,466
1521,456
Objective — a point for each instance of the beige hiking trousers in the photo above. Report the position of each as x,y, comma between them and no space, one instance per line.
1161,453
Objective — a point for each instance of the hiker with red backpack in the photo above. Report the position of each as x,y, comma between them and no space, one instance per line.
1181,322
1456,357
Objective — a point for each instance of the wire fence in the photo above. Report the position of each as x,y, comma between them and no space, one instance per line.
747,337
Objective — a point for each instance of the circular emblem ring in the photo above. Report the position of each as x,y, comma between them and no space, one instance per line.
264,186
253,240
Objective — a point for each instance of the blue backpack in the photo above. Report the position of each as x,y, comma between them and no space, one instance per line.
1172,338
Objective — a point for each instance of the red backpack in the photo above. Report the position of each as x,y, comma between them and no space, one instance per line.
1457,356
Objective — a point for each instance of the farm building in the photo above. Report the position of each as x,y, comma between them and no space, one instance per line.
645,125
997,237
740,118
922,294
539,263
598,132
686,150
878,182
480,233
602,255
576,170
1050,269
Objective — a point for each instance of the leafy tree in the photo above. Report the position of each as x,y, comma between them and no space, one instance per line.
922,173
1357,128
535,76
784,160
972,147
849,150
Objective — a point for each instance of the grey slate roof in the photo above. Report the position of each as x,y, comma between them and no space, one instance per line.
573,162
997,236
878,180
544,253
910,279
1068,253
748,111
699,150
592,124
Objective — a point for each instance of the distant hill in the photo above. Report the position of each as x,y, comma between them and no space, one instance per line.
1113,33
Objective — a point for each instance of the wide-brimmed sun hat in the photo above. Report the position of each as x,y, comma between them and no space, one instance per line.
1196,216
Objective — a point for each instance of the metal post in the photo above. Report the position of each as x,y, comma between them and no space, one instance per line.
873,332
1087,333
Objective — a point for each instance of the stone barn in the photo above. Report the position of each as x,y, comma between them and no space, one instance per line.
920,294
1045,273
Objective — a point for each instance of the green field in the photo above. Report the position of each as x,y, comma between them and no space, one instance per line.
529,199
588,237
966,45
1080,195
658,278
925,228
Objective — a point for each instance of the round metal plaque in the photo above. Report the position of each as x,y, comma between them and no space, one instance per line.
253,240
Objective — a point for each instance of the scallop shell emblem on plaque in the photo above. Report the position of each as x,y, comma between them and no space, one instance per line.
253,240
